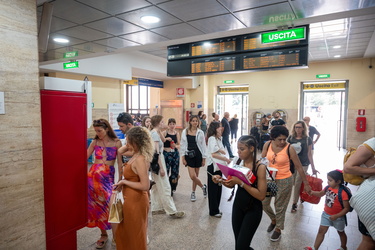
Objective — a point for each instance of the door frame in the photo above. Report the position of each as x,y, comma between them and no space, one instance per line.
344,110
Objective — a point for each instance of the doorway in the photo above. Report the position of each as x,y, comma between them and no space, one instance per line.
326,105
234,103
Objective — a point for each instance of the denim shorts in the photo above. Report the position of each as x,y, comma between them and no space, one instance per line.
339,223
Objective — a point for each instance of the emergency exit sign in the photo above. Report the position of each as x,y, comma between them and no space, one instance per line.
229,81
284,35
321,76
71,65
70,54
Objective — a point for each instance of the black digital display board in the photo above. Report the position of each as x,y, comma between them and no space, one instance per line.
284,58
237,53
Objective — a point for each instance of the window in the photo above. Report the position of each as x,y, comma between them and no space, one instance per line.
138,99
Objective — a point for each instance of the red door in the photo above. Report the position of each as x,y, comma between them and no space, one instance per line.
64,139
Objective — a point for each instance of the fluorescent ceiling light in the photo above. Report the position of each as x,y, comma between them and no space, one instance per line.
60,40
150,19
337,56
337,46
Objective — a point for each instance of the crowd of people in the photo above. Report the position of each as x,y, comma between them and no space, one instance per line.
202,144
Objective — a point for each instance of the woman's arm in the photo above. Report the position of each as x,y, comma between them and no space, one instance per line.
298,166
140,167
311,159
119,160
265,148
361,156
259,192
183,147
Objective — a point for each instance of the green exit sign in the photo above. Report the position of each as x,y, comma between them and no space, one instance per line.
323,76
70,54
229,81
284,35
71,65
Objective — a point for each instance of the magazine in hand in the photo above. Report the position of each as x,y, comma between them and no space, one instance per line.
241,172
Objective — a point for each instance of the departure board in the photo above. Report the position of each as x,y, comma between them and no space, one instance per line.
275,59
213,47
221,64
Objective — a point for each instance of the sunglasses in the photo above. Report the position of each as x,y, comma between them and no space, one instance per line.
273,160
298,127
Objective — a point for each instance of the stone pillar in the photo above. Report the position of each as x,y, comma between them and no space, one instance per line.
21,175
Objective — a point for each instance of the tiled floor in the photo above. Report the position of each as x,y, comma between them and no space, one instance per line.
198,230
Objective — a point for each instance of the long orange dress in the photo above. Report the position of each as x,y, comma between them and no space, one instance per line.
131,233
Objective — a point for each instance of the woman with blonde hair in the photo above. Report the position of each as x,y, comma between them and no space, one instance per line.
101,177
302,143
194,153
132,231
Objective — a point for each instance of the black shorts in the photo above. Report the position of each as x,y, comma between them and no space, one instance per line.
362,228
196,161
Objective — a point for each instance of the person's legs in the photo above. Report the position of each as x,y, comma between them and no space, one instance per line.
214,192
282,198
227,145
366,243
297,187
343,239
249,225
320,236
269,211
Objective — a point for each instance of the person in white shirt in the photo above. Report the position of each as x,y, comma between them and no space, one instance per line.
216,154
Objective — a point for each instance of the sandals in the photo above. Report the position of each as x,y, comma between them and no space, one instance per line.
101,243
294,208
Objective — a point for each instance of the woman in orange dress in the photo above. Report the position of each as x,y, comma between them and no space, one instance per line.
132,231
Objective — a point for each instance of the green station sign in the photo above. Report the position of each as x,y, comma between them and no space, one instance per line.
284,35
70,65
70,54
322,76
229,81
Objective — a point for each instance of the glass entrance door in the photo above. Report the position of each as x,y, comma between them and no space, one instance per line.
234,104
327,111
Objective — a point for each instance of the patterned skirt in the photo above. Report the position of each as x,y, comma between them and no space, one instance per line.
100,181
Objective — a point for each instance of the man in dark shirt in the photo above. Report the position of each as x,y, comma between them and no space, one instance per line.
312,131
277,120
226,133
125,122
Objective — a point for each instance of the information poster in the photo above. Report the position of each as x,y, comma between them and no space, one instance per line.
114,109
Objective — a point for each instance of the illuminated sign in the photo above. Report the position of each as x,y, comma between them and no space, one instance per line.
70,65
324,85
284,35
70,54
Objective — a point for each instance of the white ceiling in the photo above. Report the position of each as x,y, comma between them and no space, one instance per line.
95,27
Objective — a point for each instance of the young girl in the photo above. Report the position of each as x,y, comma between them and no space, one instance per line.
247,206
171,155
334,213
193,151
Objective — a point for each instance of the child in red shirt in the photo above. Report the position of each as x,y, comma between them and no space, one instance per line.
334,213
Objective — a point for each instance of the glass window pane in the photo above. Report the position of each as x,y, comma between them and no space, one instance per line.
143,102
134,97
